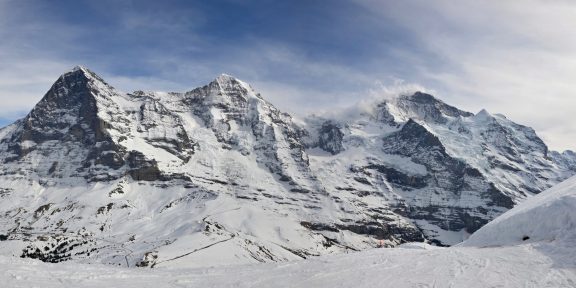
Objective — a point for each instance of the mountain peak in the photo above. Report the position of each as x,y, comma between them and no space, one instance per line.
79,71
424,98
74,94
227,82
484,112
84,72
230,86
483,115
78,68
419,105
225,77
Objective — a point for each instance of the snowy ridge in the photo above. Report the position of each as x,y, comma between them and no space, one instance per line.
219,175
546,217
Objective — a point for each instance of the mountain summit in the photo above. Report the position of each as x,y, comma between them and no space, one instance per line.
219,175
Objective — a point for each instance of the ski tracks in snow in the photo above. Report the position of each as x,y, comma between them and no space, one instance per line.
515,266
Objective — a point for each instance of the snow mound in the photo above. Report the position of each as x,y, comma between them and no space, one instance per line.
549,216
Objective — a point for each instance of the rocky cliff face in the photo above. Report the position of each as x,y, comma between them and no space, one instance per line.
219,175
66,123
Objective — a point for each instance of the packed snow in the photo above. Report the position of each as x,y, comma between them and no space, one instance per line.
514,266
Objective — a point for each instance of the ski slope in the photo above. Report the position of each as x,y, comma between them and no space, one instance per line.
513,266
496,256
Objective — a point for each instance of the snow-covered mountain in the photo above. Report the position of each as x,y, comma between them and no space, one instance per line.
448,170
219,175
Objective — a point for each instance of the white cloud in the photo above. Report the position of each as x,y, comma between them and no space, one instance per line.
375,95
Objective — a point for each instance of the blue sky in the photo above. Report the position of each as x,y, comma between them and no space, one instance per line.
306,55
